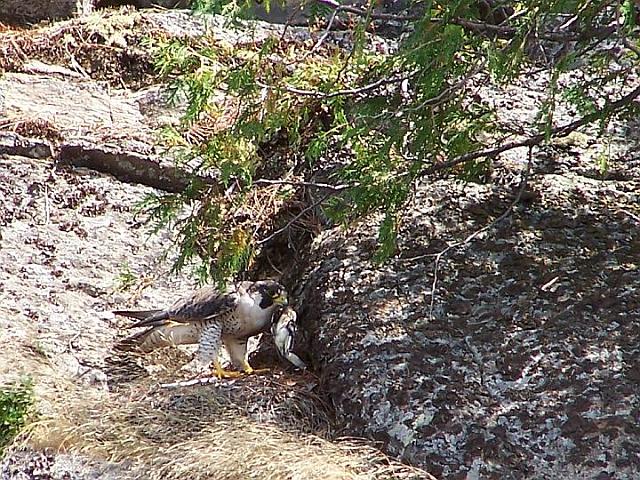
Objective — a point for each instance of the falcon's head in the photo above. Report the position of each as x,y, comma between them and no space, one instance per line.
271,293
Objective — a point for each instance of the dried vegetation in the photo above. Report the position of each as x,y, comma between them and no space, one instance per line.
107,47
256,428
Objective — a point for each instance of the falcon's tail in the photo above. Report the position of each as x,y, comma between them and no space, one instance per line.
147,317
137,314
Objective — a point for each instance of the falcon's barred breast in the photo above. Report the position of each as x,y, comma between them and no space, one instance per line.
215,318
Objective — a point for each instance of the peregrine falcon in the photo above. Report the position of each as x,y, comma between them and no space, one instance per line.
215,318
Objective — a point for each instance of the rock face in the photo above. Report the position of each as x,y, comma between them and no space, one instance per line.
30,11
522,363
512,355
21,11
73,248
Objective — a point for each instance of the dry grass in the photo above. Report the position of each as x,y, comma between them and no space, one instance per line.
199,433
263,427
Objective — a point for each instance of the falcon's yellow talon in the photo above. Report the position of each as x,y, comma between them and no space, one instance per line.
222,373
253,371
246,368
249,370
219,372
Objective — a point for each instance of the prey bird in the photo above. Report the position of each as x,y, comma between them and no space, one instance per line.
212,318
283,328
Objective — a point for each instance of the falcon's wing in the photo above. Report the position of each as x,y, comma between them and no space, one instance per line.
208,303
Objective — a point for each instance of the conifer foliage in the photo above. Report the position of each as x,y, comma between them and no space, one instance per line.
265,115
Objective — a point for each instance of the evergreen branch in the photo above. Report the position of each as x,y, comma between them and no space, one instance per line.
561,131
482,28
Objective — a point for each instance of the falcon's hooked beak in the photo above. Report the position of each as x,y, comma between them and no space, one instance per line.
281,299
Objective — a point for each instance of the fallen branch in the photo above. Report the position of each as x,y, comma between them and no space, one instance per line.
129,167
36,66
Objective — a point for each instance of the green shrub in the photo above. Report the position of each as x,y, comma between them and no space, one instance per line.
16,407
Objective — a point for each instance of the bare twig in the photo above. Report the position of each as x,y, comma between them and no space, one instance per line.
294,219
324,36
364,13
348,91
275,269
447,92
191,383
325,186
442,97
18,50
472,236
632,215
504,32
561,131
